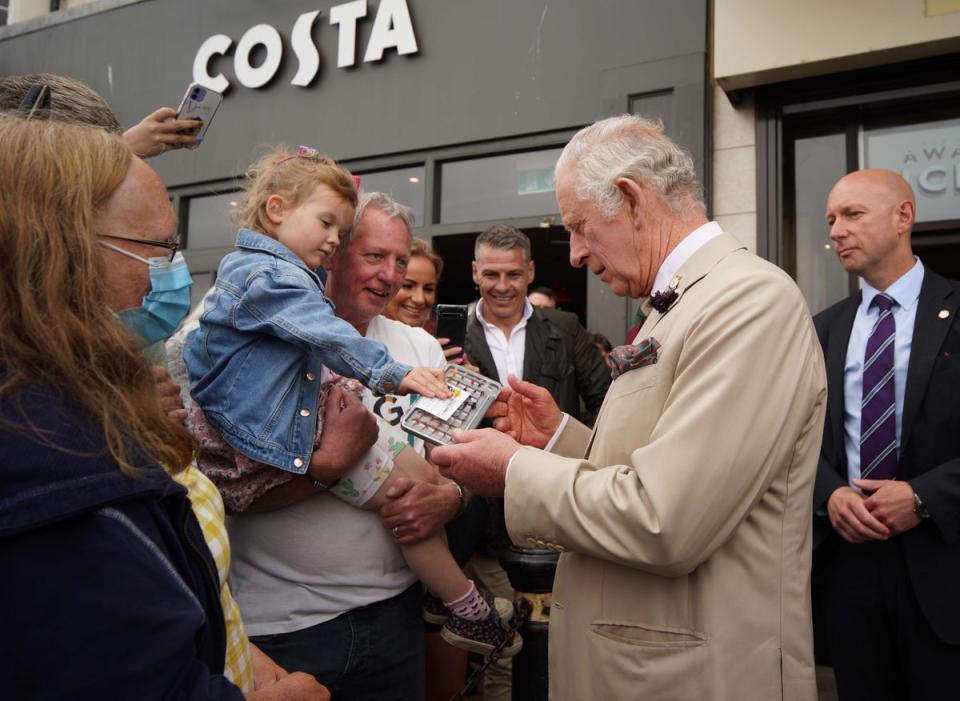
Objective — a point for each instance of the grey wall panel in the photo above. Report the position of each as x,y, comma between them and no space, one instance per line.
485,70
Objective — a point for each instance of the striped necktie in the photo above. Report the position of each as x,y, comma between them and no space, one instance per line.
878,420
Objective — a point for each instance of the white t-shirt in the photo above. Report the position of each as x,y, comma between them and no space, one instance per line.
307,563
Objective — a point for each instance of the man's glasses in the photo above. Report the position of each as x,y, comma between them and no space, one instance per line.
171,246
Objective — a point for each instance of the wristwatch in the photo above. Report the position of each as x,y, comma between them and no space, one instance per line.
918,508
461,496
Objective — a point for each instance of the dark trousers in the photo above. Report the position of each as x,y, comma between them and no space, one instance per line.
373,653
881,645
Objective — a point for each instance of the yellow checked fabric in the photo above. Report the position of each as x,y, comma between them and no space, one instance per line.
208,508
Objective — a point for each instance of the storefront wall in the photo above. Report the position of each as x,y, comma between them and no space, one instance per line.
833,88
485,78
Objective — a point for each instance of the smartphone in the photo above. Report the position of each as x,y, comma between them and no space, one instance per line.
452,324
199,103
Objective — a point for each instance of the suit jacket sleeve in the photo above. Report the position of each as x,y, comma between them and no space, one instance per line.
747,384
939,489
829,477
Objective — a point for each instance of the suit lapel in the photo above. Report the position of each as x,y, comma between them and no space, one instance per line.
692,271
535,341
836,360
929,332
478,351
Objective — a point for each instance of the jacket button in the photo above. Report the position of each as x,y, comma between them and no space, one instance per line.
304,412
311,376
297,462
388,386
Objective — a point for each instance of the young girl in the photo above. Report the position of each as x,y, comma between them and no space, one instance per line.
260,363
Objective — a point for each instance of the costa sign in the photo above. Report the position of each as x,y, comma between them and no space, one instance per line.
392,29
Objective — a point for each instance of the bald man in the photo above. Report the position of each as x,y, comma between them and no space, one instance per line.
887,494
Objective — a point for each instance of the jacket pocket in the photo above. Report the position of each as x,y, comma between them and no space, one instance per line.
647,634
629,660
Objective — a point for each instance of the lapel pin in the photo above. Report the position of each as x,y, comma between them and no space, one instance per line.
943,313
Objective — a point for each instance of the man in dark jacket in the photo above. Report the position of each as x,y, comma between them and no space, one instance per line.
508,336
887,495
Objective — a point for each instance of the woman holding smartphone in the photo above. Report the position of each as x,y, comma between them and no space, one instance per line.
413,304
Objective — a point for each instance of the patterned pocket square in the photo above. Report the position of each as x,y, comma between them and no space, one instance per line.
626,358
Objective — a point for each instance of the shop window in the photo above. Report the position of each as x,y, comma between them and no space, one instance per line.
812,132
499,187
819,161
405,185
927,155
210,222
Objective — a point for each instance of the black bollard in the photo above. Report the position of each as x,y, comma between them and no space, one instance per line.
531,575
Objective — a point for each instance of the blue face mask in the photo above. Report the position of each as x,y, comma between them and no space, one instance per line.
168,301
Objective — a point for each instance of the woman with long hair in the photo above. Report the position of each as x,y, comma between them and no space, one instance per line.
111,590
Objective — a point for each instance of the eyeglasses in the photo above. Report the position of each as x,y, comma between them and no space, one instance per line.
172,246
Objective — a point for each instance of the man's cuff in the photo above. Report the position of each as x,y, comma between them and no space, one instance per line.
509,463
556,434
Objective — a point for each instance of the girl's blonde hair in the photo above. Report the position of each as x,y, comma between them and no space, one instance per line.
293,175
56,329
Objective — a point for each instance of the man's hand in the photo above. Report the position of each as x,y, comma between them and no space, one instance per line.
169,392
160,131
348,432
265,670
850,517
417,509
426,381
478,461
891,502
527,413
298,686
271,682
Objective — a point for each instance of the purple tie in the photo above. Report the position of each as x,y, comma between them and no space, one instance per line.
878,410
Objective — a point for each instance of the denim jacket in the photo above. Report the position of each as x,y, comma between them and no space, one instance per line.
255,360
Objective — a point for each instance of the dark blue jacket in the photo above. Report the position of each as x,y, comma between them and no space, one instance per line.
107,588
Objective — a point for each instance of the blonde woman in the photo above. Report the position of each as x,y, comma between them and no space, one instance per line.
102,555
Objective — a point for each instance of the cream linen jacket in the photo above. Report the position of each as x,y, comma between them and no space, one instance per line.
685,516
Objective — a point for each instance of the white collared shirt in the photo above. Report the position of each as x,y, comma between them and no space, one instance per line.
690,244
507,352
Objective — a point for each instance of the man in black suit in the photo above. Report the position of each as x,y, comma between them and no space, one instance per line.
507,335
887,495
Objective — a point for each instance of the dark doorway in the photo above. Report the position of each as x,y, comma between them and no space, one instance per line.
939,252
550,248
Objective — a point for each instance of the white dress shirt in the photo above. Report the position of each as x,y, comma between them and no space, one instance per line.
507,352
690,244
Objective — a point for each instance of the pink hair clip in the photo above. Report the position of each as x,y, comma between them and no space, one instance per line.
356,181
302,152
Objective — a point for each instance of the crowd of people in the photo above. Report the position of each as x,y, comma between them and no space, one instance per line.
222,503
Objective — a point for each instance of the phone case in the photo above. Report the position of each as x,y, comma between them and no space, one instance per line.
451,323
199,103
479,392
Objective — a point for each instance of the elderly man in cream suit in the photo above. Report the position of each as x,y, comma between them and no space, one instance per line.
684,517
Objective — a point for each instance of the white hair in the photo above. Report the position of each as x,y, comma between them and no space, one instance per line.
629,147
381,202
